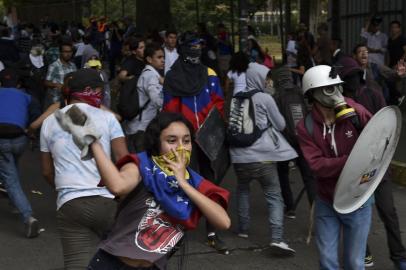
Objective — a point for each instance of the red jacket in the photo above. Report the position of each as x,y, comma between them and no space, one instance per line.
326,158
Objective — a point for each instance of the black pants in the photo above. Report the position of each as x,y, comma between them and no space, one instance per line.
307,177
387,213
201,164
105,261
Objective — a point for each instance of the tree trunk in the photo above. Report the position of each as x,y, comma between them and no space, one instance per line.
305,11
153,15
288,20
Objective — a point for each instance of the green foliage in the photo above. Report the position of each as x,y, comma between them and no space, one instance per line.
113,9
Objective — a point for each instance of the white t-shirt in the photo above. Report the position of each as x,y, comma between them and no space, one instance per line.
75,178
238,80
170,58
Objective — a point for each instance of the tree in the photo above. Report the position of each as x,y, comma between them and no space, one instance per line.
153,15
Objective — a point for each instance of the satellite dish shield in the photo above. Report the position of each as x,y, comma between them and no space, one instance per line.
368,160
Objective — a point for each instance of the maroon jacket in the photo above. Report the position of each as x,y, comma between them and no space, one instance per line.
318,149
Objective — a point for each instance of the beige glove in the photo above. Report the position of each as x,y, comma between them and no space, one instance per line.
82,128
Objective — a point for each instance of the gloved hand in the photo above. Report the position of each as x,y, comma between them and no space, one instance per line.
82,128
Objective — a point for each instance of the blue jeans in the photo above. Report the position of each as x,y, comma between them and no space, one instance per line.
266,174
355,228
10,151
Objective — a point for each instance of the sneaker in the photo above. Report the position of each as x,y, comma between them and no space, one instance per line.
282,249
401,264
215,242
31,228
290,214
369,262
3,189
243,235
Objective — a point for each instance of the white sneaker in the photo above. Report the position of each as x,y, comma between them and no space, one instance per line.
243,235
282,249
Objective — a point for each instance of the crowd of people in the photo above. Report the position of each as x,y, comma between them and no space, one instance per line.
116,114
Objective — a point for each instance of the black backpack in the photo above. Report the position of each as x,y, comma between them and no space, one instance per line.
128,105
242,130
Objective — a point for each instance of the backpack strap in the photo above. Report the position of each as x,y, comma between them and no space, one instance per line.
309,124
357,123
146,103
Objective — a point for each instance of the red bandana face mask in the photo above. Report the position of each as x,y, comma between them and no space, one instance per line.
89,96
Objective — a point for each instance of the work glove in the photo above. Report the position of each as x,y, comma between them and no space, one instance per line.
82,128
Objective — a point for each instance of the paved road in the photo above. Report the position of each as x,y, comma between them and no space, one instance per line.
45,252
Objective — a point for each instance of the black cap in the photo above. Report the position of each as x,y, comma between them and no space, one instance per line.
190,38
9,78
83,78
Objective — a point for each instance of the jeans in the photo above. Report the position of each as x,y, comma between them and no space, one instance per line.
81,223
355,228
105,261
10,151
266,174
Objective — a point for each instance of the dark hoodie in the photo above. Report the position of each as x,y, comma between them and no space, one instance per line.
355,87
318,149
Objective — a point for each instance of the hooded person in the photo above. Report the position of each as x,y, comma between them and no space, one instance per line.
192,89
293,108
33,70
84,211
355,87
258,161
326,137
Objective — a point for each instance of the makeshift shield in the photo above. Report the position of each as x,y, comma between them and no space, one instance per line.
368,161
211,139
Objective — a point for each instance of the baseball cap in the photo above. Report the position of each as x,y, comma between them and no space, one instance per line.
84,78
9,78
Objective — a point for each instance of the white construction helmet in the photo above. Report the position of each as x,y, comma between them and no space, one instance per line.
319,76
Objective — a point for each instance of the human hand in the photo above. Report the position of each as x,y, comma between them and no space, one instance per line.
82,128
161,80
178,167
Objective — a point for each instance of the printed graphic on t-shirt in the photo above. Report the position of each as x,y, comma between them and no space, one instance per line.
155,232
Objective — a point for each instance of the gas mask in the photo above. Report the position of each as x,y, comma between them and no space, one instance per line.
331,97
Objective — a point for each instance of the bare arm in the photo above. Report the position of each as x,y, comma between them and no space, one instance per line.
38,122
48,170
53,85
119,148
300,70
119,182
123,76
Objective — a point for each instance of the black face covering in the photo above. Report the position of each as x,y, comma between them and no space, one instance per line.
187,76
191,55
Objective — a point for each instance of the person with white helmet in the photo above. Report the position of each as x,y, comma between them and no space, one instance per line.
326,136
